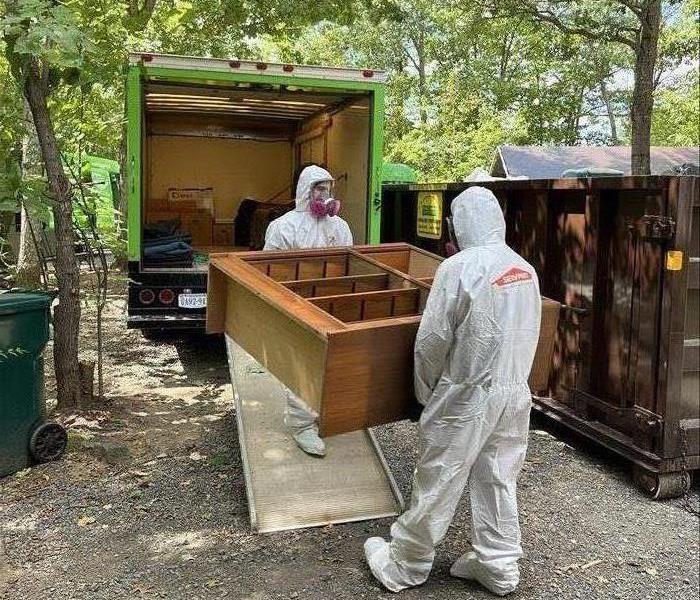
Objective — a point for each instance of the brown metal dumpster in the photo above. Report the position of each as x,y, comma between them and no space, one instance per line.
622,255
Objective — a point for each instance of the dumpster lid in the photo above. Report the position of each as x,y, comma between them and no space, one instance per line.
592,172
17,302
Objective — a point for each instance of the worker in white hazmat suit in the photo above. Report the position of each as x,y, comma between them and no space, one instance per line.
314,223
473,354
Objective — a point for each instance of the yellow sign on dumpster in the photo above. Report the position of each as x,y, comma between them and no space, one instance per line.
429,215
674,260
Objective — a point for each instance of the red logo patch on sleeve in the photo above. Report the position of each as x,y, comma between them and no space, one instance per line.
511,276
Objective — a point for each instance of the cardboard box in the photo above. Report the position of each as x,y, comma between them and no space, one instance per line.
200,198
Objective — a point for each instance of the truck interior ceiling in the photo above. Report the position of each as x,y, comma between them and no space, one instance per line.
219,163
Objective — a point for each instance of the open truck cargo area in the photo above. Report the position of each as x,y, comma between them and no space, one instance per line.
622,256
213,149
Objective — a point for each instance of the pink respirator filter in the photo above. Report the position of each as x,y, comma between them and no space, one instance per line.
328,208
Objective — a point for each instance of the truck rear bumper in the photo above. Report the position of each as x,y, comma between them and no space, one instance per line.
198,321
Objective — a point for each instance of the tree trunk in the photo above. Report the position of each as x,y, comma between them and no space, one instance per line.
67,313
605,95
8,239
575,121
422,78
7,225
28,271
643,93
506,55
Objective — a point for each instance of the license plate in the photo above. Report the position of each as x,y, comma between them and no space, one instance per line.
192,300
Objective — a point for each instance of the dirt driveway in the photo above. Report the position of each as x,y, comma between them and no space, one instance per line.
150,503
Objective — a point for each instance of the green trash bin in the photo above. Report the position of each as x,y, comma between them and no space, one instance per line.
25,436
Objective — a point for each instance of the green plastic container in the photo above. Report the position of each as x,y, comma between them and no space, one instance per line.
24,331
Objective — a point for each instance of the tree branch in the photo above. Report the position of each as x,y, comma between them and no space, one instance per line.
633,6
140,15
410,57
552,19
148,7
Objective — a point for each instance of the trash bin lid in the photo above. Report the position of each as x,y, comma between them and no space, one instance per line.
18,302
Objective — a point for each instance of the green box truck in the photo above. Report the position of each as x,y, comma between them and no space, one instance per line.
210,138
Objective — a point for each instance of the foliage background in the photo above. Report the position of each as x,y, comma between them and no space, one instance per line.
463,77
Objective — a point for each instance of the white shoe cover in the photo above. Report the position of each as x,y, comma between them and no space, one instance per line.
310,442
385,569
468,566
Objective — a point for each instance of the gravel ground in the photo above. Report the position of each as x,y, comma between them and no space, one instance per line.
150,503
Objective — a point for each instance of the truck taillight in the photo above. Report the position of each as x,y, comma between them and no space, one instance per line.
166,296
146,296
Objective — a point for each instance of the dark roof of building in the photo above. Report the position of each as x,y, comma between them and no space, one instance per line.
549,162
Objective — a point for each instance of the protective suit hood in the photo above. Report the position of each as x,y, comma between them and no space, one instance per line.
477,219
309,177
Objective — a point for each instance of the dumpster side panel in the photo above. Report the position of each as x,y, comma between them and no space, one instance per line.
565,250
626,306
679,362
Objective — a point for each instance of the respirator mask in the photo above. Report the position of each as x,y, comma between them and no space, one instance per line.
322,204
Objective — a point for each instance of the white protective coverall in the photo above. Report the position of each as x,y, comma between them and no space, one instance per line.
300,229
473,354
